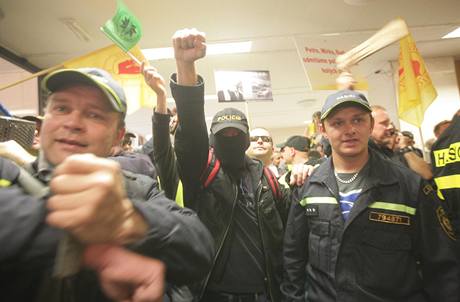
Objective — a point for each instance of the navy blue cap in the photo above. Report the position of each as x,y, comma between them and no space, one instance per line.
341,97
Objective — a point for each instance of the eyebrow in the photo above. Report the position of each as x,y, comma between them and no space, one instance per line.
353,116
60,99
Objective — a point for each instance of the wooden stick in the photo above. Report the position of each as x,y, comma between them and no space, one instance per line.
37,74
48,70
246,106
390,33
425,156
134,58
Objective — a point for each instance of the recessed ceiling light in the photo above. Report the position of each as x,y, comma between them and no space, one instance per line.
330,34
158,53
358,2
211,49
306,102
76,29
227,48
453,34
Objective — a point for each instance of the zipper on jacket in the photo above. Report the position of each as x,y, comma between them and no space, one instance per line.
221,244
258,194
343,231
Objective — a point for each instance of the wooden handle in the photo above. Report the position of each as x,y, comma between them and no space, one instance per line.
390,33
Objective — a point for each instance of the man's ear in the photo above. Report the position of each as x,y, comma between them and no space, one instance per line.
372,123
120,135
322,129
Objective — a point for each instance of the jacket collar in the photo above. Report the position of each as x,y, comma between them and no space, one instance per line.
255,169
42,168
379,172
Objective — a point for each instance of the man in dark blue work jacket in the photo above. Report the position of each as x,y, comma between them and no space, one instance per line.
360,231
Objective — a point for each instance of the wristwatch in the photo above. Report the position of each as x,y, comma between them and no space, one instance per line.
406,149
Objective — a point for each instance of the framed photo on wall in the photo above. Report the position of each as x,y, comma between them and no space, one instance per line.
241,86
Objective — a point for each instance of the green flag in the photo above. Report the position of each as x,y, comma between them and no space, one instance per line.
123,29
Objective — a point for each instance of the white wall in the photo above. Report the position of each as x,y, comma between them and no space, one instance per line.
280,135
23,98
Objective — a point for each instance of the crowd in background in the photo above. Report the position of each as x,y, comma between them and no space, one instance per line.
349,210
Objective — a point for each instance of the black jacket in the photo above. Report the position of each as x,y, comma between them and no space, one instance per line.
164,156
445,160
135,162
216,203
390,237
27,243
176,237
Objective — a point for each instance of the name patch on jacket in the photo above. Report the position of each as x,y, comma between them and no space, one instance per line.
389,218
312,210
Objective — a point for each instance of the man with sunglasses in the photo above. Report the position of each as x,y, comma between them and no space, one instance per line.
260,145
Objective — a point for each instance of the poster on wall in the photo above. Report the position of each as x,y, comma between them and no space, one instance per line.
241,86
317,57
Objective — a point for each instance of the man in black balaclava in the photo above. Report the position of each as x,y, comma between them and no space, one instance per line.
230,130
227,189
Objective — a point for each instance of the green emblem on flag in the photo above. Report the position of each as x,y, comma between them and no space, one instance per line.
123,29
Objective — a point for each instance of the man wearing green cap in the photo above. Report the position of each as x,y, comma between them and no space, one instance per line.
96,202
360,231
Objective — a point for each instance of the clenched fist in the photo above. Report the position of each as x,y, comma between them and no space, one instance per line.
124,275
89,200
189,45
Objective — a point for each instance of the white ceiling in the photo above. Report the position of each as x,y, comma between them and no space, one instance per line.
31,29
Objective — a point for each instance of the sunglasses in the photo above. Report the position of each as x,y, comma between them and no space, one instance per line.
265,139
392,132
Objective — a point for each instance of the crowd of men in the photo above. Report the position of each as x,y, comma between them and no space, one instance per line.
349,211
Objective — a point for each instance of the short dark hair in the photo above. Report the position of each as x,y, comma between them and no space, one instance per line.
317,114
313,154
438,126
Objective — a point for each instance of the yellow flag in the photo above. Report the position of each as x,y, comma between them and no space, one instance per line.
416,91
124,70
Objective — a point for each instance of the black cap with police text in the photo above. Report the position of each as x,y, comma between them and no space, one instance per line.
96,77
298,142
343,97
229,118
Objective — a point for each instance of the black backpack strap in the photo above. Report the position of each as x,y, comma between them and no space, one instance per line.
273,183
211,169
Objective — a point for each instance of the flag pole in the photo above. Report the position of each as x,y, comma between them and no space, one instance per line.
246,106
51,69
37,74
134,58
423,144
